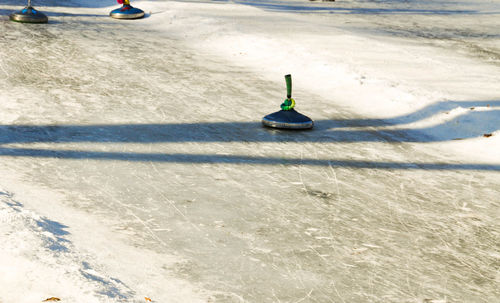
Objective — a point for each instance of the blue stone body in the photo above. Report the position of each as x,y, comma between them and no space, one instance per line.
127,12
29,15
287,119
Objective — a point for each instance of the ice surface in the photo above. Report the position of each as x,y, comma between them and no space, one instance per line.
133,163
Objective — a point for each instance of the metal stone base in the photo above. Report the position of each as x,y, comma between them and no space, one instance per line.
127,12
29,15
287,119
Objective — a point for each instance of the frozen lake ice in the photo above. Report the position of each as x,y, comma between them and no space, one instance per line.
133,163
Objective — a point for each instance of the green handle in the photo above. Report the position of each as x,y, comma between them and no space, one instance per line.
288,79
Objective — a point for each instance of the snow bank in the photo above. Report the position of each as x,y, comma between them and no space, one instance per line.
65,260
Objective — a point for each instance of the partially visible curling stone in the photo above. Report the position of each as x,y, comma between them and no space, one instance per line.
288,117
127,11
29,15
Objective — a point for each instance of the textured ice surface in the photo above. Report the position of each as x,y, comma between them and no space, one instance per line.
133,162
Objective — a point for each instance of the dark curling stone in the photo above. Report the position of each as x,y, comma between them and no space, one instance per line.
29,15
289,119
127,12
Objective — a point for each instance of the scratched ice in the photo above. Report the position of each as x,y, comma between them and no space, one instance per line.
133,163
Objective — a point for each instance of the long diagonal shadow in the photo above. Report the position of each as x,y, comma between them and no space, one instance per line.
185,132
238,160
324,131
277,5
273,5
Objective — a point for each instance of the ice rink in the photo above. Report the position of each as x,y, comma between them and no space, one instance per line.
133,163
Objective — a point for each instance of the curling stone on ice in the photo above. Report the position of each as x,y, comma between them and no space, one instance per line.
287,117
127,11
29,15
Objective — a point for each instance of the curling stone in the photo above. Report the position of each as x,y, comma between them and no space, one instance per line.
29,15
127,11
288,117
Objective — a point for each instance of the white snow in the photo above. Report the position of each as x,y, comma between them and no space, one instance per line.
133,165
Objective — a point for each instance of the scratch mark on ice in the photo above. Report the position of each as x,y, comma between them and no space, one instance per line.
307,296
